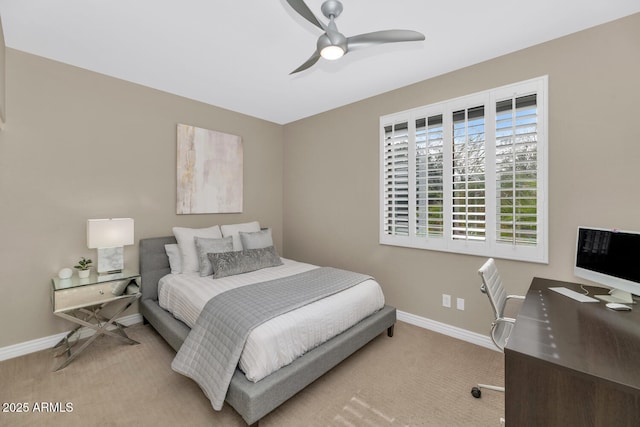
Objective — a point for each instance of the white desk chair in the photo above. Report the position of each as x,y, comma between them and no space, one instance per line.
501,326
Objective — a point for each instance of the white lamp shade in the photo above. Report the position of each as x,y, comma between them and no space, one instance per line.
109,233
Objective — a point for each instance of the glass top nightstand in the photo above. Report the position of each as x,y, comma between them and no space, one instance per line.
93,278
82,301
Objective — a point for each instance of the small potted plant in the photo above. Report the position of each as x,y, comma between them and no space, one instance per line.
83,267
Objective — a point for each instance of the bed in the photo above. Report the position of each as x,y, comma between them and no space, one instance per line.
253,400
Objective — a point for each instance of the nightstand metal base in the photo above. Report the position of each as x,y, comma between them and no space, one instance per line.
91,317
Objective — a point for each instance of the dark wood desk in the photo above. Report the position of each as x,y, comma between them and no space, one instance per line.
572,364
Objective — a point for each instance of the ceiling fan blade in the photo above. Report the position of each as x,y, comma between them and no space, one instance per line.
308,63
380,37
303,10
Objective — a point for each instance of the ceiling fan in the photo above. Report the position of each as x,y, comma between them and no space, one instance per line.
333,44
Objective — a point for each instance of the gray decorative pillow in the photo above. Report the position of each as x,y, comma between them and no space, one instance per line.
238,262
257,239
206,246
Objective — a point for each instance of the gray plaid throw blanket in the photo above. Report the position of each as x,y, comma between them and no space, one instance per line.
211,352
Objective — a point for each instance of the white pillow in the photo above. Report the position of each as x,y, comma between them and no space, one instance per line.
234,230
175,260
187,244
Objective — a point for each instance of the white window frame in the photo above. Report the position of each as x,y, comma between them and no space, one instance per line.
489,247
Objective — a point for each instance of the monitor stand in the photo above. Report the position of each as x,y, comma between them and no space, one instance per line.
616,295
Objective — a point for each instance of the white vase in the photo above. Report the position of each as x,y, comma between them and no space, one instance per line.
83,274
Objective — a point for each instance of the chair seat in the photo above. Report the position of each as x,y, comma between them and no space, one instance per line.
500,334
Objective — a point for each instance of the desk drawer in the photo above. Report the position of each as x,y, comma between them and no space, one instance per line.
82,296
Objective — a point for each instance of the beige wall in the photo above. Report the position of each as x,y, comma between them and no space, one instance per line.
331,171
80,145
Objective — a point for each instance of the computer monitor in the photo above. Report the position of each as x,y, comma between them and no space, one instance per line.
610,258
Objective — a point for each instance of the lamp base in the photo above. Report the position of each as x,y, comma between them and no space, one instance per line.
110,260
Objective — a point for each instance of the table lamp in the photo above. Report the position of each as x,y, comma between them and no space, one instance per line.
109,236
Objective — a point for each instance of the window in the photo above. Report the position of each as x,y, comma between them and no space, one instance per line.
469,175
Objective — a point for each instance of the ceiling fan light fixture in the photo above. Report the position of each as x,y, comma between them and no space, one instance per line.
332,46
332,52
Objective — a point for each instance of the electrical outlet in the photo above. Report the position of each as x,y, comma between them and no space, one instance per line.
446,300
460,303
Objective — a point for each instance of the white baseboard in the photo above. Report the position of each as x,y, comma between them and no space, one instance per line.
443,328
39,344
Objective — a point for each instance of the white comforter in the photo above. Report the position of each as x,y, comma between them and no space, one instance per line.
281,340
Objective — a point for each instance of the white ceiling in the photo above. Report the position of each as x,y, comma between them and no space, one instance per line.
238,54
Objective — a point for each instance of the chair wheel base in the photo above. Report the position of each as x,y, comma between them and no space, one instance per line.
475,392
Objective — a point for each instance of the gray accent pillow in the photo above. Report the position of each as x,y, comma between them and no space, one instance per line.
238,262
206,246
257,239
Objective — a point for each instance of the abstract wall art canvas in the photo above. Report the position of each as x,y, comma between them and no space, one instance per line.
209,171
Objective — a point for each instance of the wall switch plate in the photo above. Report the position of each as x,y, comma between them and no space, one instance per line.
460,303
446,300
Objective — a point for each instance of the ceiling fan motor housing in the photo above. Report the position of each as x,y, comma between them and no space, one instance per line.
331,8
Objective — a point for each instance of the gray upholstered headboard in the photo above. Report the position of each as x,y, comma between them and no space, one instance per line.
154,264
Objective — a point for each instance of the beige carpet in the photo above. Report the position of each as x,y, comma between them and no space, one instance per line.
416,378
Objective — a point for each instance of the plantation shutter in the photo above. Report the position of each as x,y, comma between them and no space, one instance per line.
468,171
396,179
429,177
516,170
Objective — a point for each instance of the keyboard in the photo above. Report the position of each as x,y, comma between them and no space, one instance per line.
573,294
